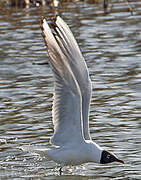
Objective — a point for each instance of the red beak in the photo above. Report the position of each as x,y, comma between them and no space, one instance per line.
120,161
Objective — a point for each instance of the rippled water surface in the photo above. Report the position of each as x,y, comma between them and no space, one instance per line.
111,45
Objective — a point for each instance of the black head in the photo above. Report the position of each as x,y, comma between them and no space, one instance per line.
108,157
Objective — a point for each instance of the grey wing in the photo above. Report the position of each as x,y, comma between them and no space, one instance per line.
67,104
71,50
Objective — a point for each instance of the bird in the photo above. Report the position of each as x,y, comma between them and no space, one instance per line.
71,141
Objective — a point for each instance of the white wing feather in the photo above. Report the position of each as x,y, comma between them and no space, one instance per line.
67,105
77,63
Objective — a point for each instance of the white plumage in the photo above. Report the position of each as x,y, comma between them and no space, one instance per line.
71,139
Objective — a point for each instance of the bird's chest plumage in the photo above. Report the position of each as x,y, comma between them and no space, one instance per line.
71,155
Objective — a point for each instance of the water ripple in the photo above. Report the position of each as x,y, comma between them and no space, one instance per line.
111,46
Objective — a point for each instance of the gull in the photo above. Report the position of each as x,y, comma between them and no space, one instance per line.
72,143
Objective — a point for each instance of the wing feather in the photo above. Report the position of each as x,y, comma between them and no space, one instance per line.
77,63
67,104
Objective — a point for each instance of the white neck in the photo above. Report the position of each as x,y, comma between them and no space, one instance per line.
95,151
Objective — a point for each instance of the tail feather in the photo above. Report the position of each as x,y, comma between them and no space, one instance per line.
34,149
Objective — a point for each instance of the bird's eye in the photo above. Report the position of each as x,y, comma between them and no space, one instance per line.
108,156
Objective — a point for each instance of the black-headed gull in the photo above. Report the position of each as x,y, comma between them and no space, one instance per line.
72,142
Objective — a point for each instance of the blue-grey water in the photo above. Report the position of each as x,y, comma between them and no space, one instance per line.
111,45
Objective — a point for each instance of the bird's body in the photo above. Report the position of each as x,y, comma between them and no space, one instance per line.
75,154
72,144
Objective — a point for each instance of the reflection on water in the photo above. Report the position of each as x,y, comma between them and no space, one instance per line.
111,46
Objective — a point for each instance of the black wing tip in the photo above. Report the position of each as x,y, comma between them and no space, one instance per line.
52,25
54,20
41,22
42,19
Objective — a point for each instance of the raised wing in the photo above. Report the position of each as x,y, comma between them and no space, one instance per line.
67,104
77,63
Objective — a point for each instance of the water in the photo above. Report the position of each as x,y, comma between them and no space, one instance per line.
111,45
